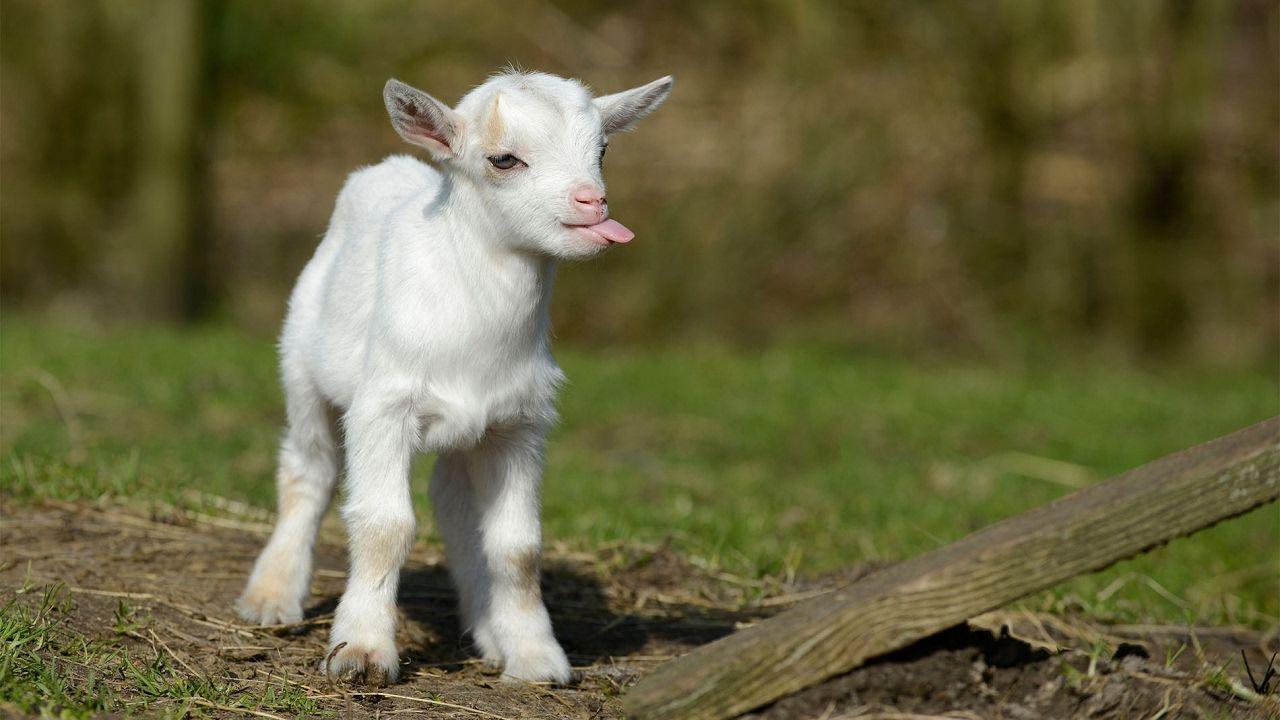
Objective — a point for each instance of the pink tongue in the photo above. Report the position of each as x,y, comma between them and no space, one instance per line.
613,231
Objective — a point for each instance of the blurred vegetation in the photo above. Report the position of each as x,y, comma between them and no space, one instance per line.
914,174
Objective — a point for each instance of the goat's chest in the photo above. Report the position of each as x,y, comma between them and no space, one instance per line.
487,365
478,338
460,404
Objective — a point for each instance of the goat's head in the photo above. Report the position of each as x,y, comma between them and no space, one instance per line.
531,145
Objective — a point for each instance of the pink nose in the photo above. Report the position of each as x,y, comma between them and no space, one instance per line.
589,199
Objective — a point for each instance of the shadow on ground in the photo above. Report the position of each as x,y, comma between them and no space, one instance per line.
584,612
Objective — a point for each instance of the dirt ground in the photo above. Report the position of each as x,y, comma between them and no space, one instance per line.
618,611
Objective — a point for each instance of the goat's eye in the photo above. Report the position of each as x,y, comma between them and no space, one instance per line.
603,149
505,162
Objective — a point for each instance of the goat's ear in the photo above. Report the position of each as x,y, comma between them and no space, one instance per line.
422,119
620,111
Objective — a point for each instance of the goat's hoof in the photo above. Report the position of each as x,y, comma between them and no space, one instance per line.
352,664
546,663
267,608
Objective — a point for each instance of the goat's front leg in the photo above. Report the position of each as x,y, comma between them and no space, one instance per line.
508,617
381,432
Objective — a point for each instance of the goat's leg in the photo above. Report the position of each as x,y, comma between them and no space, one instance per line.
505,473
281,576
380,525
454,503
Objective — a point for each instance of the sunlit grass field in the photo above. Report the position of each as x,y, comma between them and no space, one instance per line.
785,461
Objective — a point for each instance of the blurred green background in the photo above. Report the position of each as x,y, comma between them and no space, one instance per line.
984,176
903,269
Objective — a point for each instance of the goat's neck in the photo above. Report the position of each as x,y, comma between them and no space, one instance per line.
492,260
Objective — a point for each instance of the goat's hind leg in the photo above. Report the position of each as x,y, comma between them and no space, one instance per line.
280,580
457,519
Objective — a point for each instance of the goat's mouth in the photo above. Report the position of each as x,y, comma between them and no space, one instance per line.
604,233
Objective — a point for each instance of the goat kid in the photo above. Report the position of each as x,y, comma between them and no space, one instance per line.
422,320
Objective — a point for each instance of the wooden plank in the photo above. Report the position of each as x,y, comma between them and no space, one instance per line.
1081,533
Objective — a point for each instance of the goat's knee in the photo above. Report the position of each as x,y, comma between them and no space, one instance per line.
379,543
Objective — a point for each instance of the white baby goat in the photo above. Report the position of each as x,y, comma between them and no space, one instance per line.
422,320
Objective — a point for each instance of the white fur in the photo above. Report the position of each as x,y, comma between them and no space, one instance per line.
422,321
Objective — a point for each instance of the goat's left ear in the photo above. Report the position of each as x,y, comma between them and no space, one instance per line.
620,111
422,119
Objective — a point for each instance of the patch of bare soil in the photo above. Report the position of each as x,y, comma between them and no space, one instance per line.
618,611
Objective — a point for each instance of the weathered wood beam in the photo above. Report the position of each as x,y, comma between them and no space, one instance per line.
1081,533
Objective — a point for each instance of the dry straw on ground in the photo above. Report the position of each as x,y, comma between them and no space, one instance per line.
619,610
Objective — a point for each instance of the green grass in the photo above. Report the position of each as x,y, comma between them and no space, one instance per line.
28,674
792,459
50,668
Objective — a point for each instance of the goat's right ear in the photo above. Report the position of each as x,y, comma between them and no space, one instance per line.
422,119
